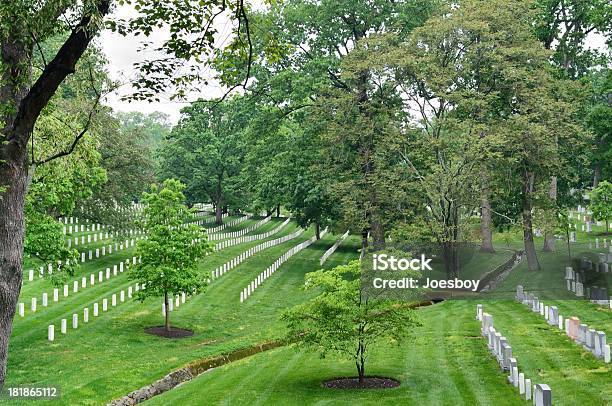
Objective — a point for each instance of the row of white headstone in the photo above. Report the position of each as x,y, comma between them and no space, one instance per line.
96,310
101,236
333,248
97,253
250,238
591,340
239,233
172,303
252,251
502,351
71,220
229,224
255,283
119,246
82,283
599,245
202,206
83,228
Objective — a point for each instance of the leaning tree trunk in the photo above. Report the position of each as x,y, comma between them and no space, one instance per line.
486,223
549,235
21,107
14,179
530,251
13,184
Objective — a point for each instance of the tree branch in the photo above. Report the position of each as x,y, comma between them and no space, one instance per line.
63,64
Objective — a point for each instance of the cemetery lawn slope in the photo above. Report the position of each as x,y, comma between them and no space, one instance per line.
447,363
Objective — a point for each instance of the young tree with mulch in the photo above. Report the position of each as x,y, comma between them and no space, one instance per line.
343,320
173,247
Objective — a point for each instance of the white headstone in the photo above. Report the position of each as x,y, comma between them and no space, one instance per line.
64,324
542,395
51,332
527,389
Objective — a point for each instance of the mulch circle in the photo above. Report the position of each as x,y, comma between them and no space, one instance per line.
174,332
371,382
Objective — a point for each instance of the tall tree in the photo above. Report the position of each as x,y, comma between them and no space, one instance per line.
206,151
564,26
473,73
301,45
24,93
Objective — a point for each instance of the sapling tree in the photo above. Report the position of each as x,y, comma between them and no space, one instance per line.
342,319
170,253
601,203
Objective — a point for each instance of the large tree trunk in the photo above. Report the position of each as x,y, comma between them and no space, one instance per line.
364,243
278,210
167,315
486,229
13,184
530,251
14,179
218,214
218,203
596,175
549,235
318,230
21,107
378,233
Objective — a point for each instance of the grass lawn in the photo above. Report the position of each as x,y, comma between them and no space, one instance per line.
447,362
111,355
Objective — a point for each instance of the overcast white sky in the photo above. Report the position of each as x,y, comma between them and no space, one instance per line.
122,54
